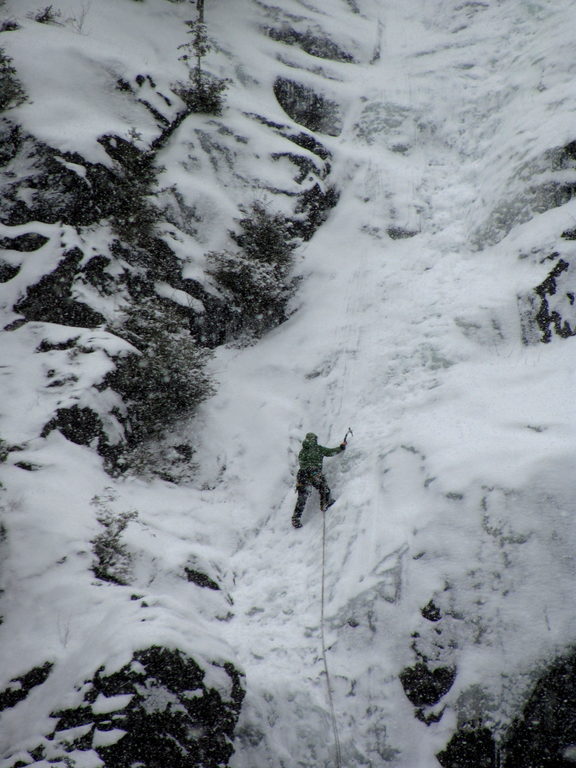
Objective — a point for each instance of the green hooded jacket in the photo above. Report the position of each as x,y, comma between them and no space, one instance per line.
312,454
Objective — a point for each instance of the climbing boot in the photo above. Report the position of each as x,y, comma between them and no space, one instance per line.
296,521
327,504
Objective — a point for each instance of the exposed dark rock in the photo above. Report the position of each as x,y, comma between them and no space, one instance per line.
71,379
431,612
7,271
549,318
27,466
549,285
23,243
15,324
304,164
150,253
81,426
184,451
172,126
424,686
9,25
134,160
12,695
311,41
471,749
429,717
398,233
94,272
306,141
58,187
48,346
544,734
201,579
310,109
267,121
64,187
170,716
123,85
567,156
49,300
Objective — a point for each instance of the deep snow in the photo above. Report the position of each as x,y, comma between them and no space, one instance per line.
457,484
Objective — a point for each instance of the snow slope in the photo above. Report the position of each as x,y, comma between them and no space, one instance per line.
457,485
409,326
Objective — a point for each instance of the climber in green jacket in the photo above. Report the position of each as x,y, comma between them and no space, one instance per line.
311,457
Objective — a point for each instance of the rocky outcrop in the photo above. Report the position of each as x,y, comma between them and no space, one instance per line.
552,183
544,735
311,40
23,243
425,686
79,425
49,300
57,186
155,711
556,313
470,748
426,682
19,687
307,107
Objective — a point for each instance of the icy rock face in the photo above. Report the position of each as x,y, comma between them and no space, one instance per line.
156,710
537,186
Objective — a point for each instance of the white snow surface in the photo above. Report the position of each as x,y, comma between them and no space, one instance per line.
457,484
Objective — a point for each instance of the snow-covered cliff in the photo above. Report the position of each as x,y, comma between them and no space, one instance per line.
411,168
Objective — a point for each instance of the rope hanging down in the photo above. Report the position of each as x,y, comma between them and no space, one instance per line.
328,681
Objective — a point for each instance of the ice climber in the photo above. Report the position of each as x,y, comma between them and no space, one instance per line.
310,474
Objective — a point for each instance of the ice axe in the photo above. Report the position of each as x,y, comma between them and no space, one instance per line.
349,432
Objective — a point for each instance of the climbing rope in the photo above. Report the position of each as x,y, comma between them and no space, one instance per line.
328,680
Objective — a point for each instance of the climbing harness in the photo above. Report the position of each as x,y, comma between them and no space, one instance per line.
328,680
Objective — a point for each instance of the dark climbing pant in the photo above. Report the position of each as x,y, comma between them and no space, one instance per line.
304,480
